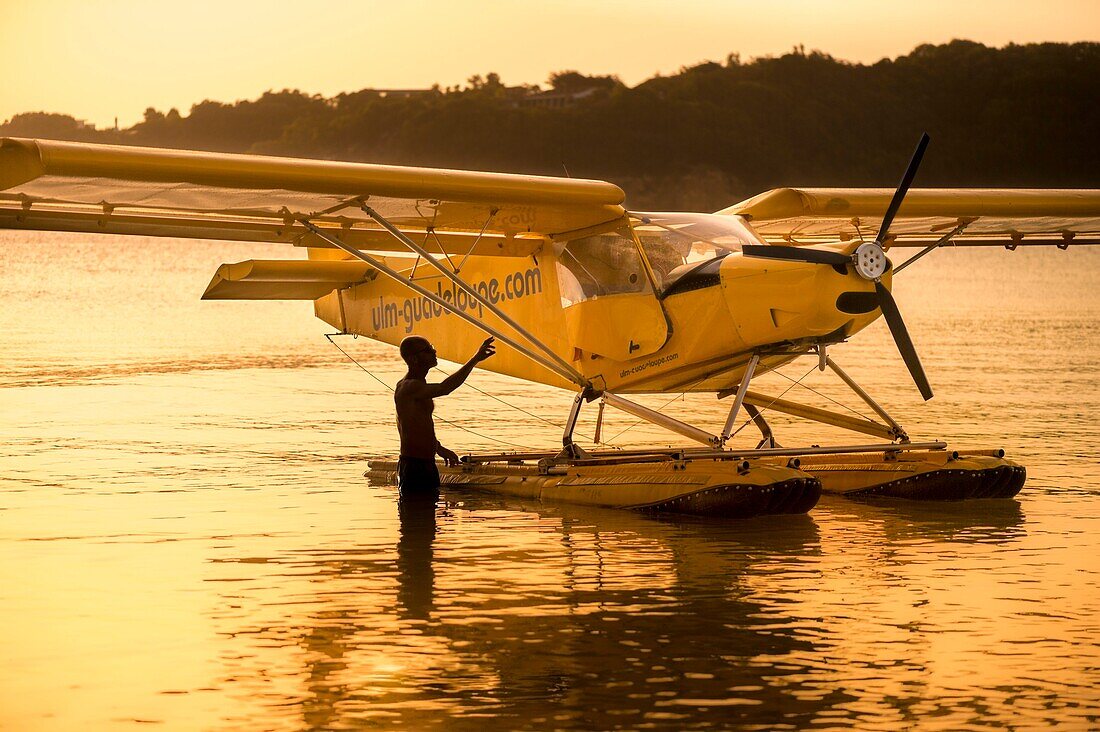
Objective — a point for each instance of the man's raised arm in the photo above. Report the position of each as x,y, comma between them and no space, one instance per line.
455,380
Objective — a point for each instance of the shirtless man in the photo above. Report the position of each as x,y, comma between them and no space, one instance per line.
417,474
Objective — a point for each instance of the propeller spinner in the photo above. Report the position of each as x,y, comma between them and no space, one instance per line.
869,261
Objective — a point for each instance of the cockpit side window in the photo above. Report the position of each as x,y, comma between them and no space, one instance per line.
600,265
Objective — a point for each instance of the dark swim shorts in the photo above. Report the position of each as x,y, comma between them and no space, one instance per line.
417,477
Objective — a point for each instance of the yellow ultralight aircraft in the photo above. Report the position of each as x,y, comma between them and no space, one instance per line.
581,294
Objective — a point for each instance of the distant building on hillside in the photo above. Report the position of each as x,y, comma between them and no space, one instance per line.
401,93
554,98
516,96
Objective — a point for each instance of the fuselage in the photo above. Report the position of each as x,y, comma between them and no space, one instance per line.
633,311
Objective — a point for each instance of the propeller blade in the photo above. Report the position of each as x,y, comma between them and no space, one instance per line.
901,337
795,254
903,188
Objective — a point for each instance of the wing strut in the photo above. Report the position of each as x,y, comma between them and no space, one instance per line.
569,374
943,240
563,365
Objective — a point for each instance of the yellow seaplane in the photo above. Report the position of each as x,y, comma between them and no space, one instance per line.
584,295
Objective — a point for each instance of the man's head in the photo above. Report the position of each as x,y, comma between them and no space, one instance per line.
417,351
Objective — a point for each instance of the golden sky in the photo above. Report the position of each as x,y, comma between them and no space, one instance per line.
113,58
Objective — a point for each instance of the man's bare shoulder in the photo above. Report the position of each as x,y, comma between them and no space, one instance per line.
411,388
409,385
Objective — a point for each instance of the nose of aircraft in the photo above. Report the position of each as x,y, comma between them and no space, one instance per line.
772,301
869,261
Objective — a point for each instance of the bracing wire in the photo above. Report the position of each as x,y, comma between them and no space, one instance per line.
513,406
617,435
826,396
681,395
352,359
620,433
521,409
765,408
328,336
471,386
745,424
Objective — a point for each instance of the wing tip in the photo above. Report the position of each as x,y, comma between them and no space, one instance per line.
20,162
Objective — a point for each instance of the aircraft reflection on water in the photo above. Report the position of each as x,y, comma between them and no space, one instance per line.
606,617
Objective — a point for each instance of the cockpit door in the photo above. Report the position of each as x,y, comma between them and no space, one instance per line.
608,299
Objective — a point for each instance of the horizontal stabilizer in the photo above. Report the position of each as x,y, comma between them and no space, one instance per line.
262,279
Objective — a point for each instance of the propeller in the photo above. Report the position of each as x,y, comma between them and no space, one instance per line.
904,343
869,261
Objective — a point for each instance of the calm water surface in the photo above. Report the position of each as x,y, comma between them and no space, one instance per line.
187,538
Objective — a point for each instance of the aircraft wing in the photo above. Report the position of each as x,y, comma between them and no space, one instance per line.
68,186
987,216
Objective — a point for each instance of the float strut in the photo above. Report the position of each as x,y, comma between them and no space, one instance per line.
899,432
599,425
654,417
739,399
571,449
763,426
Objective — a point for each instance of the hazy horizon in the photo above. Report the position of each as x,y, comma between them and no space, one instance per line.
109,61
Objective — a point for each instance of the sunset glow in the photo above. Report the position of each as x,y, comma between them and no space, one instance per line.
102,61
333,400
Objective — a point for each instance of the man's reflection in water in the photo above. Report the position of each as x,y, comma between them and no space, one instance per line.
334,631
416,576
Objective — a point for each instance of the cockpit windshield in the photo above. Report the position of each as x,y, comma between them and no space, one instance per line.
678,243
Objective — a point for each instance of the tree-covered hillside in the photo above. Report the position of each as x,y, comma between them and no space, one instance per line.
706,137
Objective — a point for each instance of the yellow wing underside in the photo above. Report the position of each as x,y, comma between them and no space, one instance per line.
65,186
977,216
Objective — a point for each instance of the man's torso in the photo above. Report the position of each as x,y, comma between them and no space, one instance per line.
414,420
